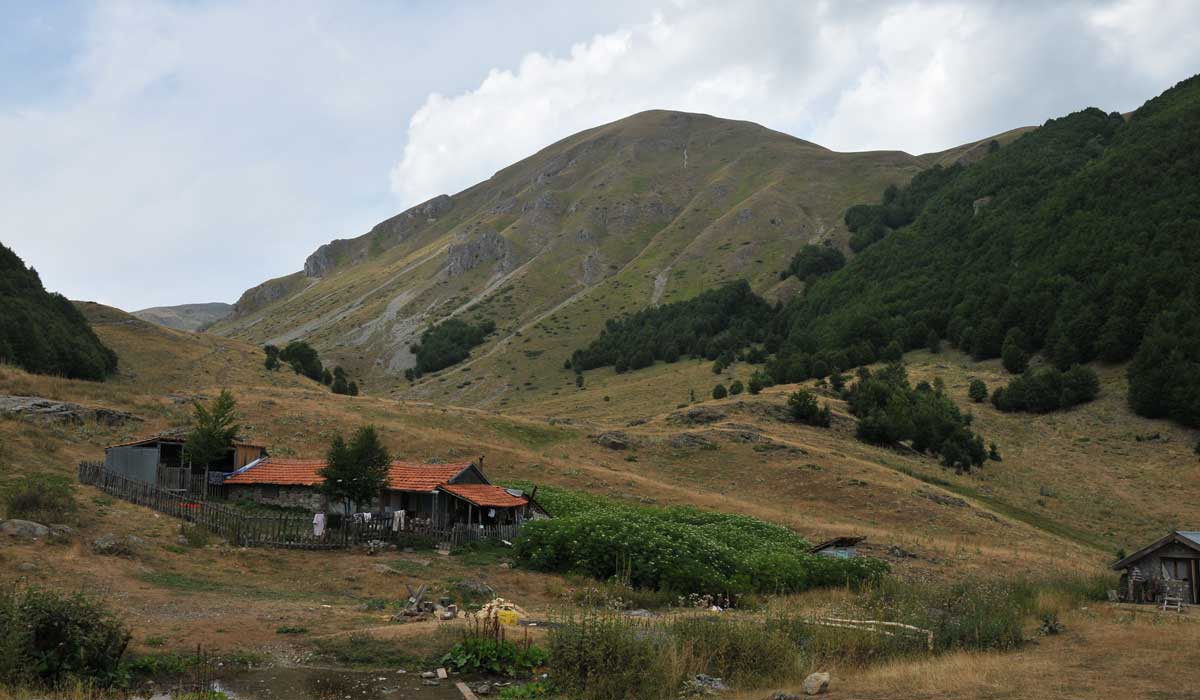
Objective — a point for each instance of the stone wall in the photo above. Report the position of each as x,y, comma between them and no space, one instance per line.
305,497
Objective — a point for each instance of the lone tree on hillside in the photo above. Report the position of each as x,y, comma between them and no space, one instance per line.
213,430
978,391
719,391
355,471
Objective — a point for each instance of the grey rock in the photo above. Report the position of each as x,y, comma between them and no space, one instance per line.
614,440
488,247
483,689
49,411
61,532
786,696
27,567
25,529
816,683
698,415
475,587
428,674
690,441
941,499
111,545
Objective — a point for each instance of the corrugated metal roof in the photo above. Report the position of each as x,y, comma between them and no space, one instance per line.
485,495
1193,535
175,440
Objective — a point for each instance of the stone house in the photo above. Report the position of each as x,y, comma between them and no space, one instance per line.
435,495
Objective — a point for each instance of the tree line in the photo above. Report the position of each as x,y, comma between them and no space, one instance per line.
304,360
447,343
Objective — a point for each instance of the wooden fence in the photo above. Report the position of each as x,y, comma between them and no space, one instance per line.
286,530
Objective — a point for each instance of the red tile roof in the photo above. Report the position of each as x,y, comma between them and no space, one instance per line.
408,476
485,495
402,476
283,472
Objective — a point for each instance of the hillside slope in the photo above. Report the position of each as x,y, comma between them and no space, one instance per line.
42,332
186,317
651,208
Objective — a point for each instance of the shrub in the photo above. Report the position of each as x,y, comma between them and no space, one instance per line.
736,388
42,498
608,657
195,535
977,390
719,392
484,649
804,409
49,638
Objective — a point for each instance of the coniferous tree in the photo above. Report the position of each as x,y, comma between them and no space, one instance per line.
355,471
719,391
978,391
213,430
1013,354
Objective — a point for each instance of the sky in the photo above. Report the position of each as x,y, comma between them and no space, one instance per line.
156,153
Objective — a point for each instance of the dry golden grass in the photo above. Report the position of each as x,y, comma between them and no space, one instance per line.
820,482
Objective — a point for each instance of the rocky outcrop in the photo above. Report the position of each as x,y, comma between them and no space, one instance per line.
24,529
265,294
816,683
614,440
384,235
49,411
698,415
488,247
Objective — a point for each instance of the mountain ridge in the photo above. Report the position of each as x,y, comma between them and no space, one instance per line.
613,216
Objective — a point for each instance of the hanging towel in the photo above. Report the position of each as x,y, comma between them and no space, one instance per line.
319,524
397,520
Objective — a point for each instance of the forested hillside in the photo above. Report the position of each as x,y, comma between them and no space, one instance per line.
43,332
1082,234
1078,241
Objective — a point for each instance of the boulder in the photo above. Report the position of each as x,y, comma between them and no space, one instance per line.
24,529
786,696
27,567
690,441
475,587
614,440
697,415
111,545
816,683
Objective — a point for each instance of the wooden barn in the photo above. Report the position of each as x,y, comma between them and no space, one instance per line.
160,460
428,495
1165,571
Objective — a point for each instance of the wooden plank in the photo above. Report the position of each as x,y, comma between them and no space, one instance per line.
466,692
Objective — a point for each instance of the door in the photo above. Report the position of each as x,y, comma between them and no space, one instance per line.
1181,570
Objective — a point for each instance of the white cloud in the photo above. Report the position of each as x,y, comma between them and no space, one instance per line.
920,77
184,151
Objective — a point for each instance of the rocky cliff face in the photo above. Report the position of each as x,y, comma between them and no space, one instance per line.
265,294
384,236
485,248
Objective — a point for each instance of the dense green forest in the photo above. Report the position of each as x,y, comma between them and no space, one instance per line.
1079,241
717,322
1081,234
447,343
43,332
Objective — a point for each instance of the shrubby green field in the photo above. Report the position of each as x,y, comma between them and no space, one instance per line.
678,549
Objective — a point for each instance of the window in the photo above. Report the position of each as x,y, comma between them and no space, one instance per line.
268,491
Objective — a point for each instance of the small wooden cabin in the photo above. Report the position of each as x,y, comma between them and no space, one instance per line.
1167,566
160,460
429,495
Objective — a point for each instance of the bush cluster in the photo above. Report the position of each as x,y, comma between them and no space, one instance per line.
890,411
50,639
447,343
41,498
679,549
1046,389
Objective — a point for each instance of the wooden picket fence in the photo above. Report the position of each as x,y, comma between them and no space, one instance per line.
286,530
